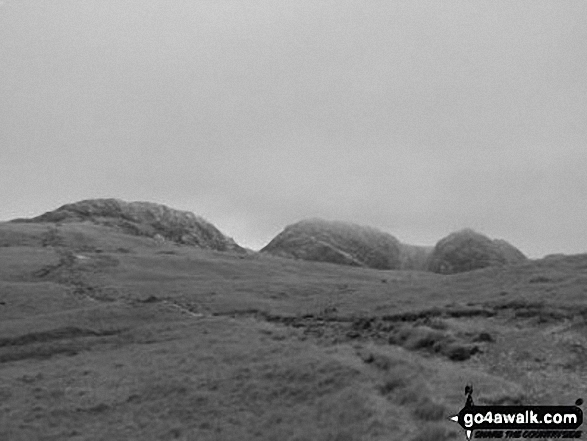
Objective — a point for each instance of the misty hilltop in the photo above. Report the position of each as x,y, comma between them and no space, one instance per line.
337,242
143,219
346,244
466,250
313,239
357,245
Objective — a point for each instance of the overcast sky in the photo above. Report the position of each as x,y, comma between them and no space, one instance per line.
415,117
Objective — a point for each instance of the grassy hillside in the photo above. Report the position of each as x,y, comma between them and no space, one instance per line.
107,336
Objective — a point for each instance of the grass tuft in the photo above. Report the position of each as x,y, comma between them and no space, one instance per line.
434,432
428,410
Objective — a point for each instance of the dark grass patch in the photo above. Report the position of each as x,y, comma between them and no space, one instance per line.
423,338
541,279
391,384
484,337
436,323
414,316
398,385
470,312
99,408
68,332
38,353
542,311
381,362
416,336
459,351
420,337
68,341
429,410
427,316
394,383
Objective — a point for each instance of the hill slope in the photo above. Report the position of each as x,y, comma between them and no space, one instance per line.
337,242
143,219
106,335
467,250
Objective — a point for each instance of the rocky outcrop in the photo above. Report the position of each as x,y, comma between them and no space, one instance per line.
467,250
337,242
143,219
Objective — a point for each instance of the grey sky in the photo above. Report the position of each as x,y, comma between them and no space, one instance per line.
415,117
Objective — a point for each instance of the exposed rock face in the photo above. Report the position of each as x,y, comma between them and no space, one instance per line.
337,242
467,250
144,219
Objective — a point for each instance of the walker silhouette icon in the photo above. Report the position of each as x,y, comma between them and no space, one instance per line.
469,394
468,403
518,420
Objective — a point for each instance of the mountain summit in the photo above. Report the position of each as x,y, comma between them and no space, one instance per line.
337,242
143,219
466,250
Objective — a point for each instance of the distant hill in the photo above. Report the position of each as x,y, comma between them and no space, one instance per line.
142,219
337,242
467,250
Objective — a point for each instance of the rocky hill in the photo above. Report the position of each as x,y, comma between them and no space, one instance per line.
337,242
143,219
467,250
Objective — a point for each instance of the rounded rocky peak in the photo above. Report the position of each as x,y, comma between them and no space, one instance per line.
467,250
336,242
144,219
116,208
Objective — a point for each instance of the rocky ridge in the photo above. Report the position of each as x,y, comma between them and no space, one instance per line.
143,219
